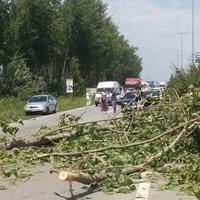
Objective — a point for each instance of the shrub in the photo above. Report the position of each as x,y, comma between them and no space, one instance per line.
18,79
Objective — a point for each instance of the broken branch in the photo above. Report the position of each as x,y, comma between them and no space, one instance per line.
117,147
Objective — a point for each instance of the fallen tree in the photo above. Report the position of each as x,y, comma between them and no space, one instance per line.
86,178
117,146
46,140
111,153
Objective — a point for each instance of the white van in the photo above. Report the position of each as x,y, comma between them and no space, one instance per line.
108,86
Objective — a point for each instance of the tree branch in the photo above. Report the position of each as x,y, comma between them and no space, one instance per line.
118,147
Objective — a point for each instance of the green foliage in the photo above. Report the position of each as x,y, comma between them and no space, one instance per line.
74,72
11,108
3,187
119,183
180,164
119,159
18,79
69,102
192,99
57,37
6,128
10,173
183,78
3,26
1,81
67,120
186,176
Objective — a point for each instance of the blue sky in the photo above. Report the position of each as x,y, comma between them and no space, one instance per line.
152,26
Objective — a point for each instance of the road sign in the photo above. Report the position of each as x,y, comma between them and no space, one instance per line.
69,85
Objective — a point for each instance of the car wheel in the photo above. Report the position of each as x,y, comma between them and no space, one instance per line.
47,111
27,113
96,104
55,110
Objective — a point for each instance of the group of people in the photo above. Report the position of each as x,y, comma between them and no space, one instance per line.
104,100
105,96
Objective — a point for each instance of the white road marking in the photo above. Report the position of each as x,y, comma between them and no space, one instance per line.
143,188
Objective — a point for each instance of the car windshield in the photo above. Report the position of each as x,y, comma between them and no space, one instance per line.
129,95
145,93
38,99
109,90
155,93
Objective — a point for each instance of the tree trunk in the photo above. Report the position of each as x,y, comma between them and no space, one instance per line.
38,141
80,177
42,140
62,78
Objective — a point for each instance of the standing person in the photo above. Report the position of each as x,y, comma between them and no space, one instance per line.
114,100
88,97
104,101
137,97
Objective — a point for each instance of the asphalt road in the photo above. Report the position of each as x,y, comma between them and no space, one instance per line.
32,126
42,185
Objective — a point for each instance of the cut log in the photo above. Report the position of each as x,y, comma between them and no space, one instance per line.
79,176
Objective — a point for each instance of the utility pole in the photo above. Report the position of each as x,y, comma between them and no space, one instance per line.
177,57
193,32
181,34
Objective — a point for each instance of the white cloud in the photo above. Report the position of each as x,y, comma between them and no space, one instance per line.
152,27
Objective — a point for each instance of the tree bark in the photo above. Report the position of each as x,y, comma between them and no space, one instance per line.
43,140
81,177
37,141
64,64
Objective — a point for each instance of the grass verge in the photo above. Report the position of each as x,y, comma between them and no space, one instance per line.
12,108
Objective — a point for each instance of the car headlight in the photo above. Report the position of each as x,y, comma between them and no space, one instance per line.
41,106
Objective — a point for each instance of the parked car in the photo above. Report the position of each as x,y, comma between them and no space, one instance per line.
150,96
153,94
41,104
128,99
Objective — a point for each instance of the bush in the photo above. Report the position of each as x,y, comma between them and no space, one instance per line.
18,80
182,79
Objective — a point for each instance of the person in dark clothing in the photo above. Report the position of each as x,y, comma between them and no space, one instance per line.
104,101
114,100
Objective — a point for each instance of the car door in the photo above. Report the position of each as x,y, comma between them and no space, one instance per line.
51,103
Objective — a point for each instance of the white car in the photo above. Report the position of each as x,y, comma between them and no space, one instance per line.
108,86
41,104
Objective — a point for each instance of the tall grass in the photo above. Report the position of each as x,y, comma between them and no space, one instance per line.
12,108
69,102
